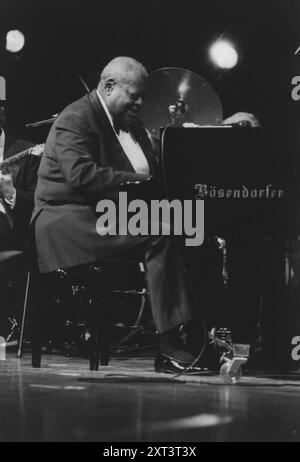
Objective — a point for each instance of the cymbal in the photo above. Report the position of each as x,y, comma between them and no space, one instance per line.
178,96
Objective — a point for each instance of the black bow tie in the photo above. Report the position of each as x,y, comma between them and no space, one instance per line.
119,126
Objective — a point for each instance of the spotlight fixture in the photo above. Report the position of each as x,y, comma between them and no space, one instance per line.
223,54
15,41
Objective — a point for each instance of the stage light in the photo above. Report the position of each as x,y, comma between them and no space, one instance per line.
223,54
15,41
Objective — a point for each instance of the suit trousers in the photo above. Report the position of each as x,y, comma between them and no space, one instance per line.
66,238
172,297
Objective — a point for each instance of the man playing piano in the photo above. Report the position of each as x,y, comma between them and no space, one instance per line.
95,145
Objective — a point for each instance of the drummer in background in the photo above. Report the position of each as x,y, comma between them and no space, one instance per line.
243,117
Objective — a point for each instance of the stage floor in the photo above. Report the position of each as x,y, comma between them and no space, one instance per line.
127,401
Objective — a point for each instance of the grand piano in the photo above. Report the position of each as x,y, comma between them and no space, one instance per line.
245,177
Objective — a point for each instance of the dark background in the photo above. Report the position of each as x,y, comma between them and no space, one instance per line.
65,37
68,36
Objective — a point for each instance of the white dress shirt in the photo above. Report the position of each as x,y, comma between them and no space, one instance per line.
130,146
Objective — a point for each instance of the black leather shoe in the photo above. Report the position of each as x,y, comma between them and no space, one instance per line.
170,365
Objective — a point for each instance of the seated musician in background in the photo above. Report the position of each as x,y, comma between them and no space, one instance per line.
17,185
95,145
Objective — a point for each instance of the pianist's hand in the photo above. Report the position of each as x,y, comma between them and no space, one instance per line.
242,116
7,189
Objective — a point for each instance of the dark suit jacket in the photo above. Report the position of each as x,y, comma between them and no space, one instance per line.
25,178
82,163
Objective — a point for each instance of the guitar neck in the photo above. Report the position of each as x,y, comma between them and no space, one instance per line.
13,159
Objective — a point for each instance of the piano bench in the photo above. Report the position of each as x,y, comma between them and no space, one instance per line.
93,278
